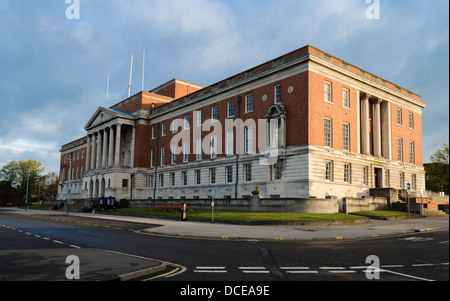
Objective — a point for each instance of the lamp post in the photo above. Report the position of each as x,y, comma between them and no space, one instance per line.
68,189
26,200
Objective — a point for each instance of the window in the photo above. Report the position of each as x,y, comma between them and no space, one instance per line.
161,180
277,92
277,169
329,170
346,98
347,173
247,172
214,113
328,132
163,155
212,175
199,149
411,152
366,175
400,149
411,120
248,140
174,126
199,118
230,111
173,150
346,136
229,174
413,182
154,132
327,89
198,174
186,151
214,146
163,129
150,179
152,158
249,103
230,143
402,180
185,177
399,116
387,178
186,123
172,179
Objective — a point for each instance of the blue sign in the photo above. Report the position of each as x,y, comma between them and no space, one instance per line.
212,192
408,186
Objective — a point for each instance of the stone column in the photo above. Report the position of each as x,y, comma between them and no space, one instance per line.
386,143
88,153
365,126
111,147
105,148
117,151
93,152
99,151
377,129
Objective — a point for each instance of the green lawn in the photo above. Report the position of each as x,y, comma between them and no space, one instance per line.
384,213
240,215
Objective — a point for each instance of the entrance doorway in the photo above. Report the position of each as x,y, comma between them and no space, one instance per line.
378,177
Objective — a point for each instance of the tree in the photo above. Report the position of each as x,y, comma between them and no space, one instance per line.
437,172
17,174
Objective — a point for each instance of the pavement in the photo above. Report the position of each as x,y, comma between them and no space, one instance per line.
122,266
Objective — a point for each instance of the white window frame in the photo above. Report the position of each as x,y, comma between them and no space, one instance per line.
277,94
400,149
328,92
230,143
248,103
346,136
346,98
328,132
329,171
248,140
230,109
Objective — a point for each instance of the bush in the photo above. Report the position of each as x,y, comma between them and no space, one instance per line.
123,203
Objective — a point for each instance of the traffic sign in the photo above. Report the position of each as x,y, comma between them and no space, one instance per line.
408,186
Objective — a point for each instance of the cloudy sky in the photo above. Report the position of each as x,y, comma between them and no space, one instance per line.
53,69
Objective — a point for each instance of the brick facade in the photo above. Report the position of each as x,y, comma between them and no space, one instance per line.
336,126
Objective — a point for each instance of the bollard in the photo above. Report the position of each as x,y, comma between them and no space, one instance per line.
183,212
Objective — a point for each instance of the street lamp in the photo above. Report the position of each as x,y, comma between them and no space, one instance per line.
68,189
26,200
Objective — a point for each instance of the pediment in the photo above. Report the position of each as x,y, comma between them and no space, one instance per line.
275,111
102,115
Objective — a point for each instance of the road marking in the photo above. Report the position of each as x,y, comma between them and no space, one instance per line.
210,270
343,272
401,274
294,268
76,247
393,266
444,242
58,242
331,268
422,264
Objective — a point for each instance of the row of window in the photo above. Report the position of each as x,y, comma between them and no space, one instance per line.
229,148
197,173
328,134
328,94
400,151
329,175
400,119
248,105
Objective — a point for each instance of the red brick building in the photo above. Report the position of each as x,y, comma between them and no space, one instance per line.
304,124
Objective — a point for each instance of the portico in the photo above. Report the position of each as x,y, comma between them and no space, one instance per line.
110,144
